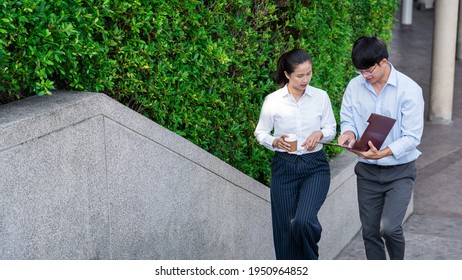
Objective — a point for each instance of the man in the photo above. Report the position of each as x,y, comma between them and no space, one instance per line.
385,175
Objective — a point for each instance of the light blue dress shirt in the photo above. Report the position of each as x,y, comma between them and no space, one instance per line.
282,114
401,99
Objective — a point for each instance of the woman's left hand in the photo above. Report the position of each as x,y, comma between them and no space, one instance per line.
313,140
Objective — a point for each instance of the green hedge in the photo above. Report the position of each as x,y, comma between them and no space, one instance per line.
199,68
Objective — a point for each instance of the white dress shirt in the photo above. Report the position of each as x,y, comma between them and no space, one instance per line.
282,114
401,99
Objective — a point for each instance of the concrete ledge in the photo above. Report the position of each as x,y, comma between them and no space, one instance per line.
339,214
84,177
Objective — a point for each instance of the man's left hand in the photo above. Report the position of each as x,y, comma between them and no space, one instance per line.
373,152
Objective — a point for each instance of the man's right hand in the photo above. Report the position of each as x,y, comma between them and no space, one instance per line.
348,138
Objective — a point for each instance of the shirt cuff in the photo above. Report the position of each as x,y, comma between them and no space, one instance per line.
268,142
351,128
327,135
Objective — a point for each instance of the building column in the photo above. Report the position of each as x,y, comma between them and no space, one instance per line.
406,12
443,61
459,33
425,4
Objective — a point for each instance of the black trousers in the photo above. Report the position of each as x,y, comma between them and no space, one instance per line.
299,186
384,193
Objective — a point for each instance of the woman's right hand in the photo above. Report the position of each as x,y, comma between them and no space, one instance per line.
280,143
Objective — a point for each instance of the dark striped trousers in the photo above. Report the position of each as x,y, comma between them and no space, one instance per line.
299,186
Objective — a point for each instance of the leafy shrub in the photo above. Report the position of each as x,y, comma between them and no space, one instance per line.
199,68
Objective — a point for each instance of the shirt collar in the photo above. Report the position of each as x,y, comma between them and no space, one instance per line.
307,91
393,78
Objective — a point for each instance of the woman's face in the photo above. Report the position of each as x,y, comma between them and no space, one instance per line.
301,77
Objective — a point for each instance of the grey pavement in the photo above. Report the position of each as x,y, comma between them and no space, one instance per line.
434,230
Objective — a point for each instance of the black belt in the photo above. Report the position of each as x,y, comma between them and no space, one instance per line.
384,166
388,166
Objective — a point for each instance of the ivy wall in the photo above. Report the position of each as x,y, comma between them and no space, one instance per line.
199,68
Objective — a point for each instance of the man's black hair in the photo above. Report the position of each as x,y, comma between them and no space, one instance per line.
367,51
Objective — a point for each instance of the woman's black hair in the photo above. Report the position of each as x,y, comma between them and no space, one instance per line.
288,62
367,51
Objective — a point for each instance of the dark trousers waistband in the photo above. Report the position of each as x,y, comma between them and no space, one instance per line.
293,157
386,166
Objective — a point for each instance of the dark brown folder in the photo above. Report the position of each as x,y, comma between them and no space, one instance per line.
376,131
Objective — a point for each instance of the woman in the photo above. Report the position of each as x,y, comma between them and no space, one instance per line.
300,179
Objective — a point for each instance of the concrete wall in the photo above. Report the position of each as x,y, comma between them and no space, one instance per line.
84,177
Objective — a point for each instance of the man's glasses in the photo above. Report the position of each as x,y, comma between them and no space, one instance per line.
366,72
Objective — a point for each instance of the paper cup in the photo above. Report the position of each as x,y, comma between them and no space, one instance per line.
292,140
